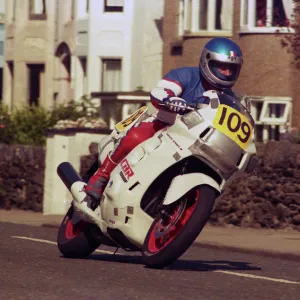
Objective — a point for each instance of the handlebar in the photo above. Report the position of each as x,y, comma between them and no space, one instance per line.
187,107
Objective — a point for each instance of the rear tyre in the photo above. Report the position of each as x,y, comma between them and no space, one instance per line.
171,234
79,240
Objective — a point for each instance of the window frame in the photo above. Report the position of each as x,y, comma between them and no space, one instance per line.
2,48
37,16
184,20
82,12
113,9
103,61
261,117
73,13
251,16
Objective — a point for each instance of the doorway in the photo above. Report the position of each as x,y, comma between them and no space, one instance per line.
35,83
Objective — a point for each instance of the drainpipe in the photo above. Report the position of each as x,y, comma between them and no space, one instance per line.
56,21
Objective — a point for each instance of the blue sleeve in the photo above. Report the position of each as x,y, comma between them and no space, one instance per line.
177,76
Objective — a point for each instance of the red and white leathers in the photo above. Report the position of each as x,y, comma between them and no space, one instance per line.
134,137
184,82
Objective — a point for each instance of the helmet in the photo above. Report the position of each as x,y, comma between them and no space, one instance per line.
218,54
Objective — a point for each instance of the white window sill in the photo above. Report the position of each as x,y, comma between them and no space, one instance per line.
82,18
255,30
203,33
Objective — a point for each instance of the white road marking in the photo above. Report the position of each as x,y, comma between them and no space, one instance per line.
34,240
217,271
257,277
54,243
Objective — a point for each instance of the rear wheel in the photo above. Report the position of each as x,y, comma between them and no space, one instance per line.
77,240
80,239
177,226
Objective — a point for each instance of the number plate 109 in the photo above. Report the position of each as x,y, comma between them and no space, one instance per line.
235,125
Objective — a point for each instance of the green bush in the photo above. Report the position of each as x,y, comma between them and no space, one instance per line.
28,125
74,110
6,125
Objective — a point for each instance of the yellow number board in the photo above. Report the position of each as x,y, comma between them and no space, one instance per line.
123,125
233,124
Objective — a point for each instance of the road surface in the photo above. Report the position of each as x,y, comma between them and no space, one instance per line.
31,267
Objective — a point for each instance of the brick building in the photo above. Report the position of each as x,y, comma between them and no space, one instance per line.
268,75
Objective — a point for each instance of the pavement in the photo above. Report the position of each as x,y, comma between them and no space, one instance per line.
267,242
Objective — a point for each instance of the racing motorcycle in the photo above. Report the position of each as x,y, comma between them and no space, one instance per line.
160,196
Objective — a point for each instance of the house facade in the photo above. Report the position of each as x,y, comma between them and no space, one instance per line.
119,45
268,75
29,40
64,49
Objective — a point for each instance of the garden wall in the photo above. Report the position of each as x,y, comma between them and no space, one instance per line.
270,198
21,177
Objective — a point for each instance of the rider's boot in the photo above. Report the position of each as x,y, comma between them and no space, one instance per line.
99,180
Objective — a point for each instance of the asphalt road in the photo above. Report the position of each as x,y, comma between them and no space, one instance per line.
31,267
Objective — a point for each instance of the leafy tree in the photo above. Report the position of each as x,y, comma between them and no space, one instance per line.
292,41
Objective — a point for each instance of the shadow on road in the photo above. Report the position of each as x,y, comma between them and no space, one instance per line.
202,265
182,264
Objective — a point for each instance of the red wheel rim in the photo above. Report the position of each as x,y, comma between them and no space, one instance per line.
157,244
73,230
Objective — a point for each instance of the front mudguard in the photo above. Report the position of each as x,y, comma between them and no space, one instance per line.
181,184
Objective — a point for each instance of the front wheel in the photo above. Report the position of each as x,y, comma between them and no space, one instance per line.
77,240
174,231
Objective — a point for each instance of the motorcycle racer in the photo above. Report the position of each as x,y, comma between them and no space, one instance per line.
219,68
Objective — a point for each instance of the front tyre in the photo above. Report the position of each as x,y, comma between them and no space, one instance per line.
79,240
172,233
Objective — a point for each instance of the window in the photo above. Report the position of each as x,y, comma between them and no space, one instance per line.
266,15
37,10
113,5
1,48
205,16
83,8
111,75
72,9
83,64
272,115
10,11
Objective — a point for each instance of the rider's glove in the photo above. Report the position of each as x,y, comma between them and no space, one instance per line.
176,105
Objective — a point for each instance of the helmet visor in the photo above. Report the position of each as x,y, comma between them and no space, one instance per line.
224,71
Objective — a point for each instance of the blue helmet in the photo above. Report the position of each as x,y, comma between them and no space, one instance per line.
221,53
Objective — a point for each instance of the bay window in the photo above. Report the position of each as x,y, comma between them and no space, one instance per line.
266,15
205,17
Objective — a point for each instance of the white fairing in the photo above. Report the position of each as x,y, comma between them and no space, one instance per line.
183,183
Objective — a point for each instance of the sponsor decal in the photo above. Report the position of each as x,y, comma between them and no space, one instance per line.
123,177
174,141
123,125
232,55
176,156
130,210
126,169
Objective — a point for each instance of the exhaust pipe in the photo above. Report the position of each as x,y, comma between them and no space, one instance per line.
72,181
75,185
68,174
